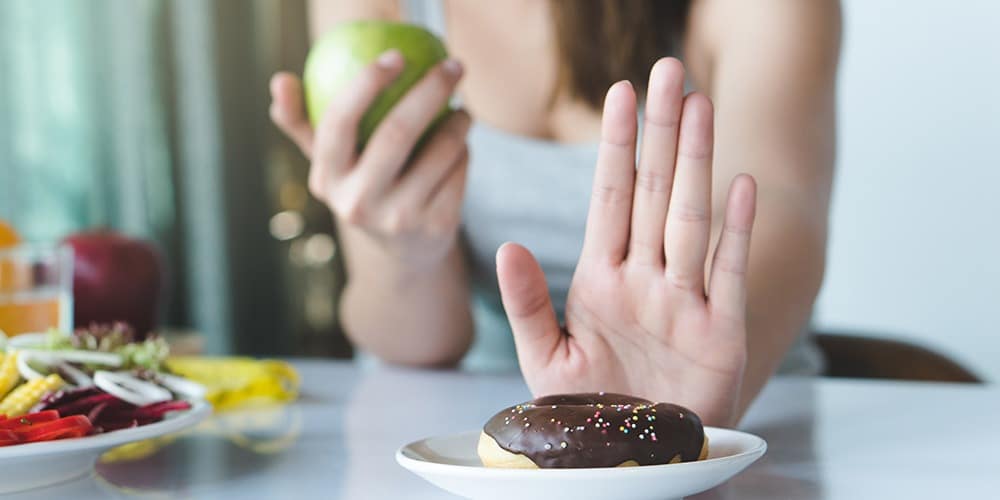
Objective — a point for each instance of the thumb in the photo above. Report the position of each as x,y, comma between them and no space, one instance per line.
529,308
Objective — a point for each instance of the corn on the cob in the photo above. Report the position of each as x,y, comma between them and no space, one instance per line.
9,375
26,395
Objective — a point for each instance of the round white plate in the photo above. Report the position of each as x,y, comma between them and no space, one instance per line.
32,465
451,463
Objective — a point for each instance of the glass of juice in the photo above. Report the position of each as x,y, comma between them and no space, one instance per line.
36,288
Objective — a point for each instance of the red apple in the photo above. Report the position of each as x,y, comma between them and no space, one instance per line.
115,278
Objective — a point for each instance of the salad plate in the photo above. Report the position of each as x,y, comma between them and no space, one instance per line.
451,463
67,398
32,465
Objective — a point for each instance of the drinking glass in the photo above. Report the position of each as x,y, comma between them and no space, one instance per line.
36,288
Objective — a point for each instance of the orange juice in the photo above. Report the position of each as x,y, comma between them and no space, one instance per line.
12,276
36,288
8,236
34,312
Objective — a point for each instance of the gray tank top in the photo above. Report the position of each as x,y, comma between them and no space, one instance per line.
536,193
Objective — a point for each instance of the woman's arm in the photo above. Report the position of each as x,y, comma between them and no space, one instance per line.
770,67
396,305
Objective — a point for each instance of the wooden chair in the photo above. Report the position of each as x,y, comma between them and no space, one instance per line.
863,356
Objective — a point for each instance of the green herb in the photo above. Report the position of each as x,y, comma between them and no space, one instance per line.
116,338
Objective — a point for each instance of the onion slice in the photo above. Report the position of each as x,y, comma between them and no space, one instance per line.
74,356
78,377
187,388
25,369
129,388
28,340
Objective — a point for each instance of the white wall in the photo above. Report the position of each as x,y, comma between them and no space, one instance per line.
915,243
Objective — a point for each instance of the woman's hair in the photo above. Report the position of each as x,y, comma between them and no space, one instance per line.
602,41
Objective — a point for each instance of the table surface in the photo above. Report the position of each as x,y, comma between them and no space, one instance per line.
828,439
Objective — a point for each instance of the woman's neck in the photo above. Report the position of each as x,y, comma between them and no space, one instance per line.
511,70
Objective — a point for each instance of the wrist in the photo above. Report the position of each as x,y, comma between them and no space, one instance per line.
399,269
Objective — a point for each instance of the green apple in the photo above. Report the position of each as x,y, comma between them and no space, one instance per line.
341,54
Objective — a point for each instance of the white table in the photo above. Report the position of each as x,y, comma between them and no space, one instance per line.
827,439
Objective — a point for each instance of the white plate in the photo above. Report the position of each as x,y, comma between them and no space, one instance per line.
32,465
451,463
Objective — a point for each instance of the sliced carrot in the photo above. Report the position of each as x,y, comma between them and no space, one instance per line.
29,419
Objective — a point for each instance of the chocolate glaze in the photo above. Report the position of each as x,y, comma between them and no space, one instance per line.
597,430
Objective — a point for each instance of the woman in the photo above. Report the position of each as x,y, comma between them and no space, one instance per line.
625,248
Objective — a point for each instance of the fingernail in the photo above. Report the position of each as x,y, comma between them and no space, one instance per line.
389,58
453,67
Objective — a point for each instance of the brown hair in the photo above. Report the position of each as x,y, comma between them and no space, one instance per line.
602,41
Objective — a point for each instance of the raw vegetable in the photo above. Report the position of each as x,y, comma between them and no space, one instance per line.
25,369
75,356
76,376
42,426
182,386
30,419
118,339
131,389
8,373
27,394
69,385
73,426
106,411
8,438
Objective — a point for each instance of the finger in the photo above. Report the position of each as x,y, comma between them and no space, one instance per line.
393,140
654,177
606,236
337,132
433,163
689,216
445,206
529,308
287,111
727,285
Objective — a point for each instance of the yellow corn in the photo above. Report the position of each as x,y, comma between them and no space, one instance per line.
9,375
28,394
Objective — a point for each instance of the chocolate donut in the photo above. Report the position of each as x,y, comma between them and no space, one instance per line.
591,430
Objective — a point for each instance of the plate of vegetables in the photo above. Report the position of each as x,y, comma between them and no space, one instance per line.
67,398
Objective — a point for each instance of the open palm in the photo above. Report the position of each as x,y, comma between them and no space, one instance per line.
639,317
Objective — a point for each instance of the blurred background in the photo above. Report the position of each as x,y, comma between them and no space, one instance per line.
150,117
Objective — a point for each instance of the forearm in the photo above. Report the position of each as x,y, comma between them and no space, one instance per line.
401,313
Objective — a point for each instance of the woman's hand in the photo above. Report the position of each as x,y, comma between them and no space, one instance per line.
639,317
408,204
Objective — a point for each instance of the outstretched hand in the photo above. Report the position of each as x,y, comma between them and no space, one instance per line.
640,317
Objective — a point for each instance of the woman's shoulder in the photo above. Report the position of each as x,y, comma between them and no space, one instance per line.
721,31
